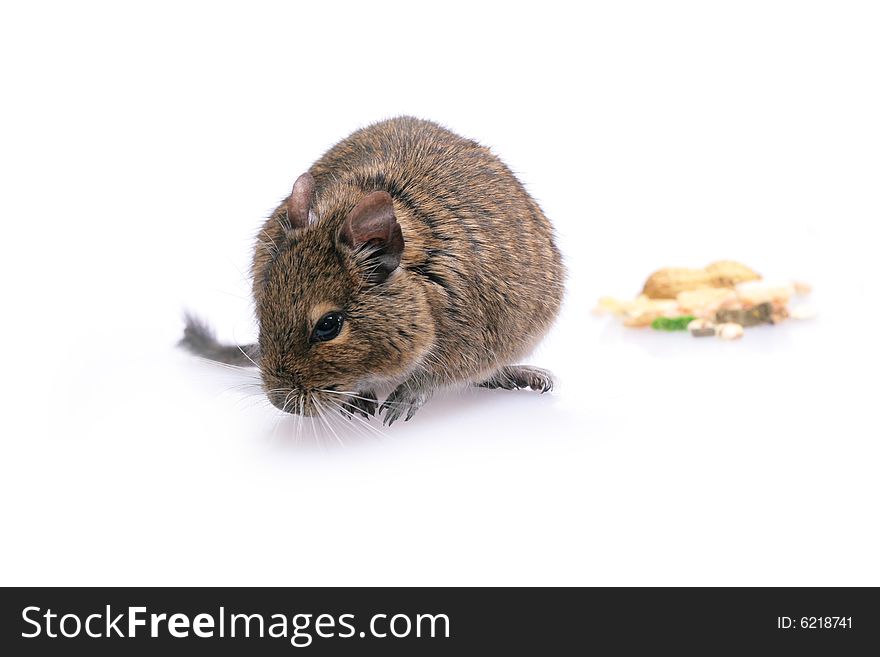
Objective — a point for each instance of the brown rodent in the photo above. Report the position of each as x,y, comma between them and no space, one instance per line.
406,256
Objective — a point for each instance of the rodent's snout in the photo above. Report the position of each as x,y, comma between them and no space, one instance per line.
289,401
304,401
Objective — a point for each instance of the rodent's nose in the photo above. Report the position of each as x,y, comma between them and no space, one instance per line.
286,400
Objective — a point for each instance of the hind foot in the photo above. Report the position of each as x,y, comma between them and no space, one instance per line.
513,377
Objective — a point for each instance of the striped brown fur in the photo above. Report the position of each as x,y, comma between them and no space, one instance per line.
479,281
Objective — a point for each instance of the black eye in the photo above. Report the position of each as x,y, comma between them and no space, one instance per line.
327,328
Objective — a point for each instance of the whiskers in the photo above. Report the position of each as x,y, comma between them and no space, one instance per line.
319,417
325,418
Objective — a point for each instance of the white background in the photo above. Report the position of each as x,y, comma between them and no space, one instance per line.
142,148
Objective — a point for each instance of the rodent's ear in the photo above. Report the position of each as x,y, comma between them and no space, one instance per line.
300,201
372,226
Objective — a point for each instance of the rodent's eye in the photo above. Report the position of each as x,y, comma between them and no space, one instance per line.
328,327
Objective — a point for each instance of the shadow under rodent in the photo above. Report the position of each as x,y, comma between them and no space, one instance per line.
407,256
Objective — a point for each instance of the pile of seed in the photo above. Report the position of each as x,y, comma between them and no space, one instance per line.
722,299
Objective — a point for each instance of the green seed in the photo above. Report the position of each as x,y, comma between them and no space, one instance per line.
672,323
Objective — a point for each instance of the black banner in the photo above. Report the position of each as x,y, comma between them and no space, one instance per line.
419,621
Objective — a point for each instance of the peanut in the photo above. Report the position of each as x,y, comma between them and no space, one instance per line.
668,283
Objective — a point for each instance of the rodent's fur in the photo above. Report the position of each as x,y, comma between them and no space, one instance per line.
472,287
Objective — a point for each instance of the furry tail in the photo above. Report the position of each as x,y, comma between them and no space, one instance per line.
199,339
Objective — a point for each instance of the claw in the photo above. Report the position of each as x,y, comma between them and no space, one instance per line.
391,414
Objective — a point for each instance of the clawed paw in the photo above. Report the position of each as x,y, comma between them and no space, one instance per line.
365,405
403,402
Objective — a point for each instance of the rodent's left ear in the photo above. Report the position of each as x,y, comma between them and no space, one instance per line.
372,226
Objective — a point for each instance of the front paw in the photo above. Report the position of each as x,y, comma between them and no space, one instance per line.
404,401
363,404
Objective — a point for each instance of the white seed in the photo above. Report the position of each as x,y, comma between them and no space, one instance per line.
729,331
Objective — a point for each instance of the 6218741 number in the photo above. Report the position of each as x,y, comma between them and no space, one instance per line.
814,622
